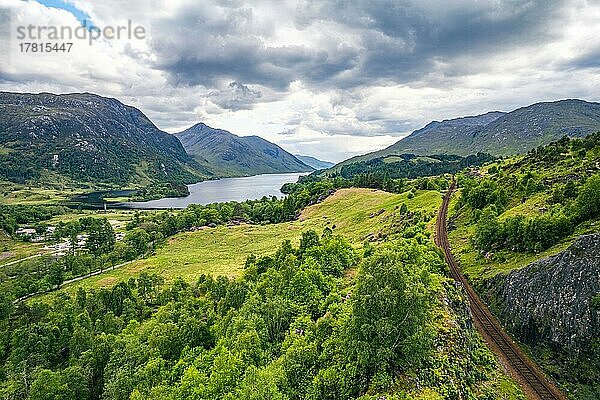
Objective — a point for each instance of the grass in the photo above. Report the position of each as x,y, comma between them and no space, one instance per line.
224,249
117,218
25,195
12,250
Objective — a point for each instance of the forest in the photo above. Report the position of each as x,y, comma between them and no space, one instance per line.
288,328
413,166
573,198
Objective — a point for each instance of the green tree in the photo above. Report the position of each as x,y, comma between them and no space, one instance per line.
488,229
101,237
70,384
392,307
138,239
57,274
588,200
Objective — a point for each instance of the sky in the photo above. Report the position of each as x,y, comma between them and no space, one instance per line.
331,79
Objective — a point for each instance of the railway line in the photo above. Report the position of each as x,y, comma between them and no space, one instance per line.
533,382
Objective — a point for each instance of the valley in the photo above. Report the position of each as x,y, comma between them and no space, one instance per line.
300,200
222,250
336,268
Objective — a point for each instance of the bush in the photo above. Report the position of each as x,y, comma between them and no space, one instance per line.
588,200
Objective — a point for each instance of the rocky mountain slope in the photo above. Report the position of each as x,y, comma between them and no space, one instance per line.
499,133
88,140
225,154
553,305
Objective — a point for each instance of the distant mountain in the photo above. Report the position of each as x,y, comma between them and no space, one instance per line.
314,162
225,154
499,133
88,140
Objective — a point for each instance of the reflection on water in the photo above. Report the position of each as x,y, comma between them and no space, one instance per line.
222,190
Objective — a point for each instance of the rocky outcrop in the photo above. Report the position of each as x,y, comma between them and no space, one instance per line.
549,306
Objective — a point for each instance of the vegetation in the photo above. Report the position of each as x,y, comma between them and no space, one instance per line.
11,216
86,140
412,166
353,213
288,328
567,204
376,179
514,212
159,191
221,308
100,252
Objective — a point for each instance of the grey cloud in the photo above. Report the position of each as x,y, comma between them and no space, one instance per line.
398,41
236,96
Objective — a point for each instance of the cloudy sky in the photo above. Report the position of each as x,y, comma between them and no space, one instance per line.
330,79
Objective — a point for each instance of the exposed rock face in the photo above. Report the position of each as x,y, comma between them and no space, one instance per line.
548,305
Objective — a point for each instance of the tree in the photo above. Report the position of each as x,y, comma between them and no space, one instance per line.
392,306
488,229
101,237
138,239
309,239
6,306
70,384
588,200
57,274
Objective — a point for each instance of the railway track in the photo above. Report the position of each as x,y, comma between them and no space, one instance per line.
533,382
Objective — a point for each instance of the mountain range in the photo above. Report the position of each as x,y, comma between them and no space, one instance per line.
225,154
498,133
84,139
88,140
314,162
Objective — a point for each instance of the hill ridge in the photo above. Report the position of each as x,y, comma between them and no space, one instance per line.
226,154
496,132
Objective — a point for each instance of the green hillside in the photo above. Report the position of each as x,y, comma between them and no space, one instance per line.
225,154
259,317
86,140
511,226
497,133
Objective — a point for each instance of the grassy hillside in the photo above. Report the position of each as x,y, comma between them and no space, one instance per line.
515,212
318,318
543,187
224,249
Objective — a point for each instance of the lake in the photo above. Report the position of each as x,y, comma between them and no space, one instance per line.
223,190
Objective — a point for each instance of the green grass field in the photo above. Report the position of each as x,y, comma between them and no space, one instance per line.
12,250
22,195
224,249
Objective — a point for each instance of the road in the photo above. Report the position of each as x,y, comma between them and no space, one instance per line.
30,257
533,382
76,279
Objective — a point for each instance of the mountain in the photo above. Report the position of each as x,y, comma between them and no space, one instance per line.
225,154
88,140
314,162
499,133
